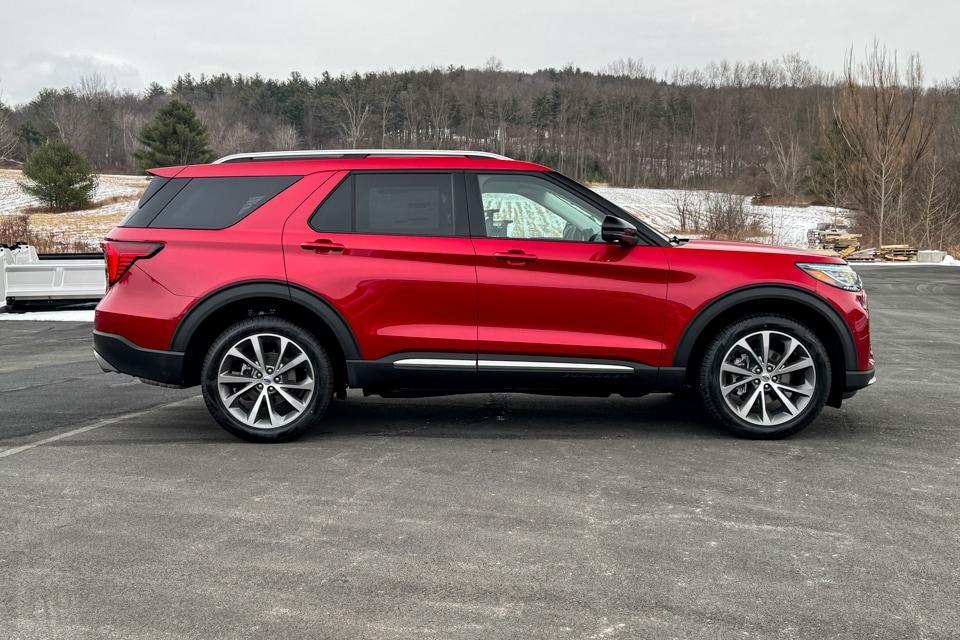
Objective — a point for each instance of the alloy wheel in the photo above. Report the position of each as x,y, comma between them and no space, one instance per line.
767,378
265,380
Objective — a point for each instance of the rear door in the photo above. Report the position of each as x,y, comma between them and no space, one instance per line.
552,292
391,252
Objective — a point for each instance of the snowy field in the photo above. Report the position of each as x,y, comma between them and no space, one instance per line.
114,198
13,200
787,225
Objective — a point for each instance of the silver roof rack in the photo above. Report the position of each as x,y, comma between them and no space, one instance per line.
351,153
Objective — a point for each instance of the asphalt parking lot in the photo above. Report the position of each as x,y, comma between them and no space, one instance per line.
496,516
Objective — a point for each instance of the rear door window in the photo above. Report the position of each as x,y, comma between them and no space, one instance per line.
418,204
211,203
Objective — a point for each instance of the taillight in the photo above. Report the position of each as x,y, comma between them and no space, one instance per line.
119,255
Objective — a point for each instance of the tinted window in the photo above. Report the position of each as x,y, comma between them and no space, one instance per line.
394,204
529,207
152,187
148,207
217,203
335,213
410,204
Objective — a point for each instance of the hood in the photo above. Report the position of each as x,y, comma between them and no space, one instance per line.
754,247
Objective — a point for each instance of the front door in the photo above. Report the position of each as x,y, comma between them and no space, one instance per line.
553,295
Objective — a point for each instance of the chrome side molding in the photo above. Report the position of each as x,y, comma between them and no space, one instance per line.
434,363
530,365
551,366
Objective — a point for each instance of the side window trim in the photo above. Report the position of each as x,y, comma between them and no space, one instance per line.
460,201
478,225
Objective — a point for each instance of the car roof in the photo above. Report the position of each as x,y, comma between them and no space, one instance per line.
304,163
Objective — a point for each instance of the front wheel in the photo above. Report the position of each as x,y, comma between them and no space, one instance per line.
266,380
765,376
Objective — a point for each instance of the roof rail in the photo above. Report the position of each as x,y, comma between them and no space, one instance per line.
350,153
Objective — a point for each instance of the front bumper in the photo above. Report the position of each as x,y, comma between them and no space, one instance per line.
118,355
857,380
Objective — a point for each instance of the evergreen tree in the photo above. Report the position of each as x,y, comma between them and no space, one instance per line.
827,176
176,136
155,90
59,177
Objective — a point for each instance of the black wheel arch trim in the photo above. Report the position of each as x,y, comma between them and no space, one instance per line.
752,293
280,290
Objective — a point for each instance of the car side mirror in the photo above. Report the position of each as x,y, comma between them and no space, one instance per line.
618,231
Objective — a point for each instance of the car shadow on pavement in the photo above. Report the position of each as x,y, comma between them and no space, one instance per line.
515,416
476,416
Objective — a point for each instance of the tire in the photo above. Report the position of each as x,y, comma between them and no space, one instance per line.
780,405
283,407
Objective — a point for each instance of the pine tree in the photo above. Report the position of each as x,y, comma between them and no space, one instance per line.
176,136
59,177
155,90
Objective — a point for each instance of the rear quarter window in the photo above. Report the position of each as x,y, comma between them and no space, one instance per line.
158,193
208,203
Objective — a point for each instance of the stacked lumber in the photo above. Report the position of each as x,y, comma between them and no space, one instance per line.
833,238
897,253
886,253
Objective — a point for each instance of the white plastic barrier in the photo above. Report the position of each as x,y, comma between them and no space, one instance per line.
24,254
931,256
6,256
27,278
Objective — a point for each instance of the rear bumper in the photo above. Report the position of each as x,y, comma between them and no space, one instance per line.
117,354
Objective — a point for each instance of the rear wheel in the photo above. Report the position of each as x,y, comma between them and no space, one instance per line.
765,377
267,380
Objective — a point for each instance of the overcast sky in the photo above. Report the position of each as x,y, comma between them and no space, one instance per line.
130,43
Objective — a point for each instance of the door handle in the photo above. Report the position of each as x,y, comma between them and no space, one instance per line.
514,256
322,246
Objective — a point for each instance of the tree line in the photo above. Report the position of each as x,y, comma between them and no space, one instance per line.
876,137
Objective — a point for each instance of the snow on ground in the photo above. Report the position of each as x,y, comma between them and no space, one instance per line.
118,196
787,225
60,316
13,200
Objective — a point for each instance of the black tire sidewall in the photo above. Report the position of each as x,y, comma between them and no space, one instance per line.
709,379
323,372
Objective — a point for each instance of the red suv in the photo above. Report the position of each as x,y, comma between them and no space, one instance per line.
276,281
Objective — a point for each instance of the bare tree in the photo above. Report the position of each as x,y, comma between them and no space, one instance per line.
284,137
355,109
8,138
129,123
237,138
882,121
386,93
788,162
934,200
689,207
727,217
70,116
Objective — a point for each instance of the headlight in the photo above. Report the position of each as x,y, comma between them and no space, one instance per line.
836,275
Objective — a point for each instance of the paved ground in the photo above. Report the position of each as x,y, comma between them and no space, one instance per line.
485,516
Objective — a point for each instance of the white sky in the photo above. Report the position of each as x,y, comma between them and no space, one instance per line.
52,44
